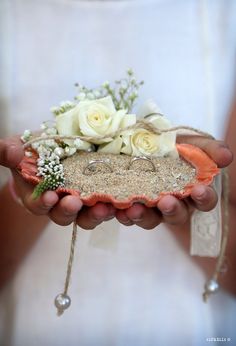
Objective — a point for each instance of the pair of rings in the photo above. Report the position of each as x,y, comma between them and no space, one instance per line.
88,170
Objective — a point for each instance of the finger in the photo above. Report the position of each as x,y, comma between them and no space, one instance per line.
142,216
11,152
39,206
90,217
123,218
174,211
217,150
205,198
66,210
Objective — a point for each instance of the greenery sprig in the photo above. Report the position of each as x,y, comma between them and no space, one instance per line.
51,182
123,94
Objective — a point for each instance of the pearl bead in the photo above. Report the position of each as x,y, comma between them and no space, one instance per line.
212,286
59,152
62,301
92,148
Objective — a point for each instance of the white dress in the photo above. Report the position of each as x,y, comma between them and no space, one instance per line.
146,290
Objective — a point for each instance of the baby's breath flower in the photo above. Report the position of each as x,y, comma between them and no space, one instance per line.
70,151
43,126
51,131
97,94
64,107
81,96
49,168
55,110
90,96
26,136
28,154
105,84
130,72
35,145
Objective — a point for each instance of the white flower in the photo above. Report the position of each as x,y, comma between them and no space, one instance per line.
26,136
55,110
114,147
81,96
141,142
51,131
149,107
105,84
28,154
70,151
94,118
90,96
43,126
82,145
97,94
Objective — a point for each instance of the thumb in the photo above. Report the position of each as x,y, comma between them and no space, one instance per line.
11,152
217,150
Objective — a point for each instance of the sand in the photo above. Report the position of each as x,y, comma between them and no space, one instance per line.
170,175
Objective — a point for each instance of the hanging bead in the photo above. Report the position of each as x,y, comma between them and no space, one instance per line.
62,302
211,286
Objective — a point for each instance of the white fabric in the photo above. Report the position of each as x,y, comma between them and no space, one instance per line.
206,228
147,292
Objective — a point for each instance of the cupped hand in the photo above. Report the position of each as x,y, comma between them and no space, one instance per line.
62,211
169,209
172,210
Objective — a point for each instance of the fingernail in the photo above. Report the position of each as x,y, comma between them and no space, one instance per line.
127,222
137,219
200,195
168,211
47,206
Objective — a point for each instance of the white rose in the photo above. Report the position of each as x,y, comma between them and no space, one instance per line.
94,118
67,123
114,147
143,142
148,107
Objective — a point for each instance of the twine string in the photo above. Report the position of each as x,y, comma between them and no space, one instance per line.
144,124
224,242
71,257
70,264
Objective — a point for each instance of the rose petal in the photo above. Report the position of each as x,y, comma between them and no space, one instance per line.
82,145
113,147
148,107
67,124
126,138
168,144
160,122
128,120
117,117
108,103
86,127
